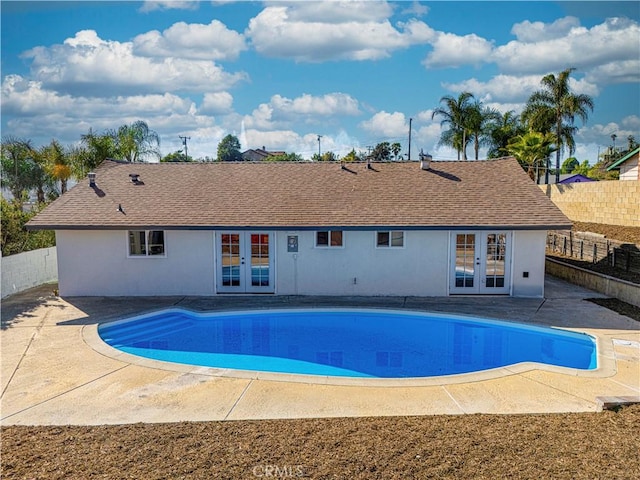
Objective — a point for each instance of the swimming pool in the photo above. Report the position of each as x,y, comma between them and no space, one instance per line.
370,343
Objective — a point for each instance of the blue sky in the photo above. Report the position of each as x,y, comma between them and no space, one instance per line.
278,74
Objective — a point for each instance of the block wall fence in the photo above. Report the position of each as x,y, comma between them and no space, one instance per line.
611,202
28,269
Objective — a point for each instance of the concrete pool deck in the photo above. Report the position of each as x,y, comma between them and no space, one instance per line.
53,372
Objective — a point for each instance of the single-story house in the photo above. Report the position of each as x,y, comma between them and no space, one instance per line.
259,154
629,165
303,228
571,178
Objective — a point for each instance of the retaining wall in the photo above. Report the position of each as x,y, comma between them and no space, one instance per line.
28,269
612,202
612,287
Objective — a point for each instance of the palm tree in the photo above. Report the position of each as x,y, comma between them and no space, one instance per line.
56,163
502,131
136,141
94,150
21,170
395,149
532,150
554,108
479,123
455,113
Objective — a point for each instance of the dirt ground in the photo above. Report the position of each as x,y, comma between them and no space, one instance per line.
550,446
613,232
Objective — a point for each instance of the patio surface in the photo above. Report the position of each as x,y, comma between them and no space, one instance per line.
56,371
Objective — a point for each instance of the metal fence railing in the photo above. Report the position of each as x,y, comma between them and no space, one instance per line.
588,247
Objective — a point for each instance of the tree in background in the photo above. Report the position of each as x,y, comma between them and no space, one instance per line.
328,156
554,108
93,150
352,156
177,156
15,238
136,142
381,152
502,131
569,165
57,162
229,149
479,122
454,114
396,148
22,171
284,157
532,150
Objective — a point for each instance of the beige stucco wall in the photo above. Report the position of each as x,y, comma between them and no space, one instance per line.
611,202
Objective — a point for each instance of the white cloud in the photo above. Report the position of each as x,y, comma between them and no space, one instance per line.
195,41
450,50
613,41
89,65
326,105
529,32
30,99
513,89
152,5
337,12
627,71
600,134
320,31
384,124
216,103
416,9
282,111
286,140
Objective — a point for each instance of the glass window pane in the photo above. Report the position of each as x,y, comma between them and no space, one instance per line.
156,242
136,243
397,239
322,239
383,239
336,239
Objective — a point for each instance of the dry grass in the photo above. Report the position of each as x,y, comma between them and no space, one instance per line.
549,446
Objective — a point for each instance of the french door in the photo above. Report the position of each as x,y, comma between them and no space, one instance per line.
480,263
245,262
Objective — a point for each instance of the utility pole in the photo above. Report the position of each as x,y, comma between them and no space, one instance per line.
184,142
319,151
409,156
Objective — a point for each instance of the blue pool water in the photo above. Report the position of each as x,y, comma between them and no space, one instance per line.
346,342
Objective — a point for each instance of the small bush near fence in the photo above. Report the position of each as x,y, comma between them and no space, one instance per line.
585,247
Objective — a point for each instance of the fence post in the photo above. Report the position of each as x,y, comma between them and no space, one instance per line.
564,245
594,259
581,249
570,243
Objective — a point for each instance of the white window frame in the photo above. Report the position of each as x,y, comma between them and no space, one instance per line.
390,233
146,245
328,239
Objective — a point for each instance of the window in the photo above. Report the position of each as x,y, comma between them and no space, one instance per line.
390,239
329,238
145,243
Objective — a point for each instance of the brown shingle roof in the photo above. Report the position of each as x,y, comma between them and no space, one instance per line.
495,193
